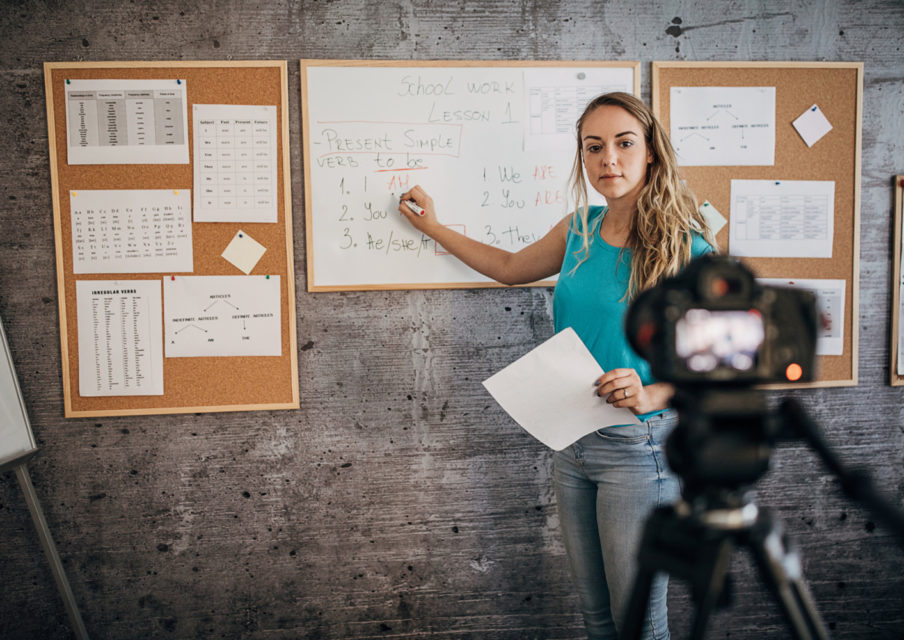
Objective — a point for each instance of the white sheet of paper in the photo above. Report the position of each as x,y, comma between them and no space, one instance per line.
782,218
222,316
812,125
235,163
723,126
901,313
120,340
243,252
550,393
901,327
830,304
126,121
131,230
555,102
714,219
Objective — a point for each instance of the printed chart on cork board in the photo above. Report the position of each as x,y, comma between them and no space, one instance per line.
897,326
492,142
772,152
173,233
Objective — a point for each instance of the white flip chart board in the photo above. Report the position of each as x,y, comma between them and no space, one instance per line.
492,142
16,439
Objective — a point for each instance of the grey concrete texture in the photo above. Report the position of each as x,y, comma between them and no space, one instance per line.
400,501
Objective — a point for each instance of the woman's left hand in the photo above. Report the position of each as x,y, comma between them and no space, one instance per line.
623,388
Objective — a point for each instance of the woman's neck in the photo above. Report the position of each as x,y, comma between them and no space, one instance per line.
615,228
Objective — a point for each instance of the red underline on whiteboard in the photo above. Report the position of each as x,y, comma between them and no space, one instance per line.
405,169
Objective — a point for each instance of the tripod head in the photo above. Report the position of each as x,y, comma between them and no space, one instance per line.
722,444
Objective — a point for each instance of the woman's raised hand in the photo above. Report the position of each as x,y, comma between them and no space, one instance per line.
424,219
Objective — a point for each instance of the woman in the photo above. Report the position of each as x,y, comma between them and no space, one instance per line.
608,482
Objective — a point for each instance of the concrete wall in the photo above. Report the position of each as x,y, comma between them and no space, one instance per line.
400,501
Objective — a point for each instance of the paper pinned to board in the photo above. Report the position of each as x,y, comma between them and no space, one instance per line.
243,252
549,392
812,125
714,220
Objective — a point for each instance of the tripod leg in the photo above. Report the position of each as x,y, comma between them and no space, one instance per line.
682,547
709,583
780,567
638,603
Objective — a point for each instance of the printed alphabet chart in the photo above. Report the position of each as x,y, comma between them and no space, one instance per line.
131,231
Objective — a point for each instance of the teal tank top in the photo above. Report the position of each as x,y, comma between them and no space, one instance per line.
591,300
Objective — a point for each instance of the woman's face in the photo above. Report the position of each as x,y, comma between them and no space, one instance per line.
615,154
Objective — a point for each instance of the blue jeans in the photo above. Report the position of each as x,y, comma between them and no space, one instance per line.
607,484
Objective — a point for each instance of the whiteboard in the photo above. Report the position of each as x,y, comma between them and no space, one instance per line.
493,143
16,439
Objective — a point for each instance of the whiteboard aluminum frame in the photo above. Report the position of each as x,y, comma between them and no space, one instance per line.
10,460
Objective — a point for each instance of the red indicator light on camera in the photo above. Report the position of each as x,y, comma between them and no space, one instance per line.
794,372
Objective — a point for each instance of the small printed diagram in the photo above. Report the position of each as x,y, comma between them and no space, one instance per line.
222,316
723,126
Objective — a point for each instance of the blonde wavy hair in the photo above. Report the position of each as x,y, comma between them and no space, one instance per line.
661,231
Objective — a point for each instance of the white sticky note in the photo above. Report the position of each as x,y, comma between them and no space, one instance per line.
812,125
550,393
714,220
244,252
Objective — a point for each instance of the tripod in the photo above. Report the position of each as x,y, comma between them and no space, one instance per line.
697,546
721,445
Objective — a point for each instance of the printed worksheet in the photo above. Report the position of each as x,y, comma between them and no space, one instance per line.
222,316
235,163
782,218
120,340
901,328
126,121
830,305
901,313
131,231
723,126
555,101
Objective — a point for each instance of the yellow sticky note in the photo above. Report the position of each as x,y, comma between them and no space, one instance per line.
244,252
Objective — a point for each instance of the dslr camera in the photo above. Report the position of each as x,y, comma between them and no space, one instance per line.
714,332
713,324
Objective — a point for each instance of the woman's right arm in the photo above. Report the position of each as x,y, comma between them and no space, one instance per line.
536,261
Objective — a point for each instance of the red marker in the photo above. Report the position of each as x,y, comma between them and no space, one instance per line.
411,204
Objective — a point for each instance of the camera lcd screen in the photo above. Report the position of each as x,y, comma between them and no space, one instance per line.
708,340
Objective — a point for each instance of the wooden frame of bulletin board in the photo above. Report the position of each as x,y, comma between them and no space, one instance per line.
897,341
190,384
837,89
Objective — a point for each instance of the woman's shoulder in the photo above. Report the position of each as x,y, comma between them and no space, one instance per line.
595,213
699,244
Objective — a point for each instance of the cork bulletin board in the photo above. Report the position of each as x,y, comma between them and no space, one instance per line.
837,89
202,381
897,339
